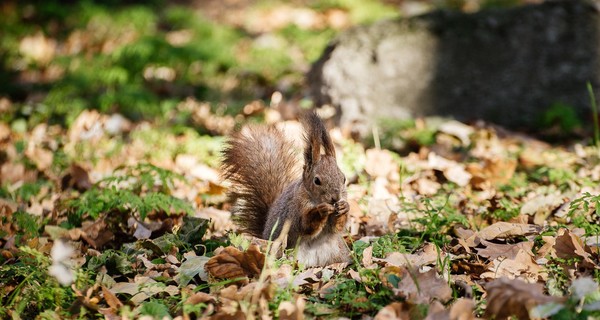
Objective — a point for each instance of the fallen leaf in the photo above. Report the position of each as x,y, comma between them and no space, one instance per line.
4,132
495,171
380,163
77,178
112,300
38,48
427,187
542,206
289,310
419,288
232,263
367,260
503,230
568,246
522,266
199,297
143,288
41,157
514,298
192,266
458,129
428,255
453,171
307,277
394,311
462,309
510,251
97,233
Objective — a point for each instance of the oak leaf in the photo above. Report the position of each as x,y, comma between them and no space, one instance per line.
421,288
233,263
515,298
569,245
510,251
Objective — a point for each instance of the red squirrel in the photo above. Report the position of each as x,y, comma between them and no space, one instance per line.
266,191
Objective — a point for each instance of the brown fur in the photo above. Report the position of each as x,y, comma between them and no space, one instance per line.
259,163
267,191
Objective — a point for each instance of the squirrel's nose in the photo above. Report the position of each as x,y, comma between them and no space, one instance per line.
335,199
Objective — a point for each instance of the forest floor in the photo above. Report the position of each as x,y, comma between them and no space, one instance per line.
111,205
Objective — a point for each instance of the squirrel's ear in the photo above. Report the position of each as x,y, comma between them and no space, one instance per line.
327,144
312,152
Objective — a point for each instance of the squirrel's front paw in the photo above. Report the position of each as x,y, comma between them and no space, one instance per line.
341,215
342,207
314,220
325,209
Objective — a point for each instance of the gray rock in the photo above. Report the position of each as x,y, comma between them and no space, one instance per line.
506,66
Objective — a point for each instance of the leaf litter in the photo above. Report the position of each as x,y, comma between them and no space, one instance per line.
494,258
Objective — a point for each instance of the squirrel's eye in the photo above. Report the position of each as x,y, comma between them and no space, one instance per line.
344,179
317,181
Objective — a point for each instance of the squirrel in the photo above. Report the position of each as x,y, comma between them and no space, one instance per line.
267,190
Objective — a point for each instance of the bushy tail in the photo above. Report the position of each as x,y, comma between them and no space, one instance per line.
259,163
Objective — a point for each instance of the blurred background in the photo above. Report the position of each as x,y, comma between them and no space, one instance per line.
164,60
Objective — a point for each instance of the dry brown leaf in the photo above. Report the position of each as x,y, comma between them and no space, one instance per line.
199,297
355,275
428,255
111,299
427,187
453,171
308,277
220,220
97,233
495,171
503,230
437,312
568,246
522,266
15,172
41,157
462,309
380,163
514,298
4,132
394,311
472,269
458,129
367,259
419,288
233,263
542,206
547,248
77,178
289,310
256,294
37,48
510,251
7,207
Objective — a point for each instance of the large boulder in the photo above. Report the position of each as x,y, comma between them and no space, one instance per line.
507,66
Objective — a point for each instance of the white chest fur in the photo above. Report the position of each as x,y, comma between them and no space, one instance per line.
322,251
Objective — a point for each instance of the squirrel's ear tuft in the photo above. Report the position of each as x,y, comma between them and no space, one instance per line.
316,136
312,152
